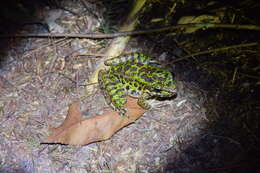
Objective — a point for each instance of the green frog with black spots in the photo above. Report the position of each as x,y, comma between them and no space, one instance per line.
135,75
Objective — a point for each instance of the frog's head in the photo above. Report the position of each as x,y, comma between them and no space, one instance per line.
165,85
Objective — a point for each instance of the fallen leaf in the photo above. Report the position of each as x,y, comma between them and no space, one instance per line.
76,130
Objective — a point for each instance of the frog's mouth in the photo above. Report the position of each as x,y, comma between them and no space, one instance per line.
171,90
157,93
163,98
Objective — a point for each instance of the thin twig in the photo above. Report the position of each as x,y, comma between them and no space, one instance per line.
234,75
214,50
249,76
92,54
128,33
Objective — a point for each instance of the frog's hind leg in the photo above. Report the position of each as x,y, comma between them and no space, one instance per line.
113,91
131,57
118,101
102,77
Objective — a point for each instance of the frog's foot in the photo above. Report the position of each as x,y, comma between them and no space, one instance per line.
122,112
141,102
142,99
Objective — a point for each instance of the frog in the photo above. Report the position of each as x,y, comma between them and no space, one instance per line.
136,75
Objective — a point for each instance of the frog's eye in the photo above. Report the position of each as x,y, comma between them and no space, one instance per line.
156,90
135,85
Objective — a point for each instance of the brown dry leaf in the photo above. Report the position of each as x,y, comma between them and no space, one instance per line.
76,130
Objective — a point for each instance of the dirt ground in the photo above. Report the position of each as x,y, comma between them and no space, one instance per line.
211,126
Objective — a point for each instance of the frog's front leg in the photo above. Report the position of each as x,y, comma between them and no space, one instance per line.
142,99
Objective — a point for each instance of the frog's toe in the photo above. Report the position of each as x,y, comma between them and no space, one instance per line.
144,105
123,112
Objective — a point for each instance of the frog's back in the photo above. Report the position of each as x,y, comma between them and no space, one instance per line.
144,74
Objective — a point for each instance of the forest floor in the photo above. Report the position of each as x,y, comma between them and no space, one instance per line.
211,126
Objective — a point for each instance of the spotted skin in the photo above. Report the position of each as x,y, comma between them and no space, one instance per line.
135,75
